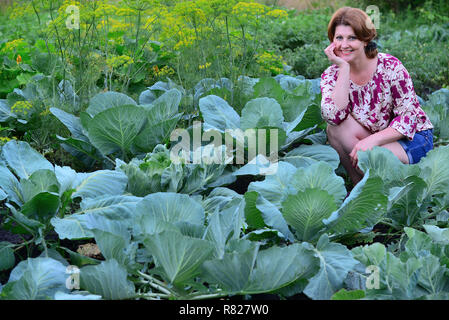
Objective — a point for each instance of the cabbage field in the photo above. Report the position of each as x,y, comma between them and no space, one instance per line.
130,171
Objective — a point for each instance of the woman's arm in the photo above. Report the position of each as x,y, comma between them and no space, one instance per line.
335,89
385,136
380,138
340,95
406,109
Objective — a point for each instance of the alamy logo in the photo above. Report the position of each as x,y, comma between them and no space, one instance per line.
373,280
73,20
374,17
73,281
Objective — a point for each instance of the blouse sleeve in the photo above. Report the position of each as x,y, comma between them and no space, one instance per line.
405,103
329,110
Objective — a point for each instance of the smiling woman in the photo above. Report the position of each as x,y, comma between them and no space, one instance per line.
368,97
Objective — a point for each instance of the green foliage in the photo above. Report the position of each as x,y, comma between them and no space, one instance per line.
418,271
301,39
38,278
428,69
437,108
161,216
114,124
410,188
194,240
37,191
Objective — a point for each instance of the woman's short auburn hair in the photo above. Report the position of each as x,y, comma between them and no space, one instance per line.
359,21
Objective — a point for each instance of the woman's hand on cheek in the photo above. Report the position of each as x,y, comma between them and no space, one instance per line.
365,144
331,55
336,49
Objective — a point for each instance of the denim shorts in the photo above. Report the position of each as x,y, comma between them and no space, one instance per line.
417,148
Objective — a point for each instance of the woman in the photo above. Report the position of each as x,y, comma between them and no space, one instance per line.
368,97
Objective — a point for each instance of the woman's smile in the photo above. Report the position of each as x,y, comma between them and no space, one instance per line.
346,52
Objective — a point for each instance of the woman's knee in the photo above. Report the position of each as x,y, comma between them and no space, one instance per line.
349,131
333,136
398,151
339,141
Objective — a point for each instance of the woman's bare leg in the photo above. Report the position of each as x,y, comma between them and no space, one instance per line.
398,151
345,136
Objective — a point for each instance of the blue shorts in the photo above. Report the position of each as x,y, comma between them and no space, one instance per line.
417,148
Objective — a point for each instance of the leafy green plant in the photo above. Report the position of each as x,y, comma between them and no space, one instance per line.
171,252
178,246
114,124
309,202
411,189
15,69
35,191
157,173
429,70
418,270
436,107
172,230
288,107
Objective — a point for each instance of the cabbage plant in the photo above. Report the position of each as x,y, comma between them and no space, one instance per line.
114,126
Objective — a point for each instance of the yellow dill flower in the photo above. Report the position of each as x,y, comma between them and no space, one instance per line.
190,12
217,8
150,21
13,45
187,42
164,71
117,61
249,9
105,9
21,10
277,13
270,62
4,140
62,11
125,12
21,107
116,25
45,112
204,66
102,24
186,38
170,28
167,71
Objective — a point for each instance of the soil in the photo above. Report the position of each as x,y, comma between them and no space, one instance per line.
90,250
79,246
8,236
241,184
383,229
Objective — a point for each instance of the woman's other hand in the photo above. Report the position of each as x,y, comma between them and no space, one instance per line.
365,144
330,53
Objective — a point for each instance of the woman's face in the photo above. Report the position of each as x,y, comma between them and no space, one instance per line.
347,46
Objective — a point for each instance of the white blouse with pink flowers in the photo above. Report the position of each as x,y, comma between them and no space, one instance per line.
388,99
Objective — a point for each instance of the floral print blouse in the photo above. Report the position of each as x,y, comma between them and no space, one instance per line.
388,99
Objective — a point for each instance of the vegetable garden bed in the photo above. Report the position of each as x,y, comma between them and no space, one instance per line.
119,182
170,230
